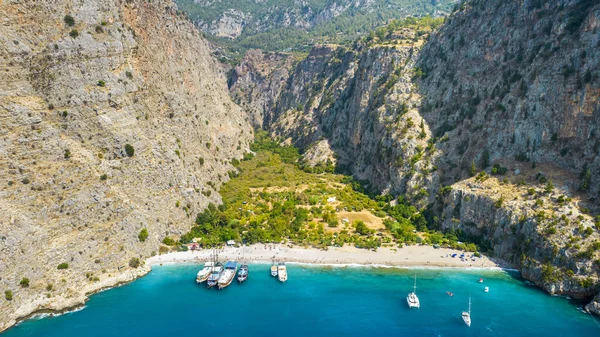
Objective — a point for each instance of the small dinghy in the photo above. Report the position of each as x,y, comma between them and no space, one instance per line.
486,289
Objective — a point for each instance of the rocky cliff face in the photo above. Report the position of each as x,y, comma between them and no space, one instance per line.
73,92
513,84
517,83
517,80
257,81
354,106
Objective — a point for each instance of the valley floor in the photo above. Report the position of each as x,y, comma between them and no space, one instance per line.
409,256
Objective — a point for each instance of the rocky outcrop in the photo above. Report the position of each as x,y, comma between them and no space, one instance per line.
114,119
551,242
518,80
230,24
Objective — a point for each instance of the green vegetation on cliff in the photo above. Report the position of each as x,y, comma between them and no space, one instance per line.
270,199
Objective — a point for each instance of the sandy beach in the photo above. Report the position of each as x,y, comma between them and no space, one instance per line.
409,256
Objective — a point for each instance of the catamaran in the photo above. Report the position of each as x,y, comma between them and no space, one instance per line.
242,273
466,315
227,275
274,269
412,299
204,272
282,272
215,274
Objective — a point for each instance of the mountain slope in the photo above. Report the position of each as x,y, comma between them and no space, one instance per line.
296,25
81,80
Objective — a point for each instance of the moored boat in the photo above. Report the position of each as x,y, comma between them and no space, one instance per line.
227,275
486,289
204,272
215,274
242,273
274,269
282,272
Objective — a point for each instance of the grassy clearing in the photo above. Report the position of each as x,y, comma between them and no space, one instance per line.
271,199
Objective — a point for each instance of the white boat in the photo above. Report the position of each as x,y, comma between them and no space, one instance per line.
466,315
282,272
204,272
227,275
215,274
242,273
274,270
412,299
486,289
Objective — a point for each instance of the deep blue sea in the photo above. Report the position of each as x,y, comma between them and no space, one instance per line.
319,301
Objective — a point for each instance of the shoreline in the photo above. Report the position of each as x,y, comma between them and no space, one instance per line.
408,257
347,256
61,305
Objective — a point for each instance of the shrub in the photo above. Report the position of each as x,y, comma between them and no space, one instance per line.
74,33
67,154
361,228
49,287
129,75
24,282
101,83
8,295
201,161
549,187
69,20
99,29
134,262
25,181
129,150
63,265
498,170
143,235
103,177
472,169
168,241
499,202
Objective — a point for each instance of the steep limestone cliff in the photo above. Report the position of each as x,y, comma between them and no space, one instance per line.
518,80
74,91
357,106
257,81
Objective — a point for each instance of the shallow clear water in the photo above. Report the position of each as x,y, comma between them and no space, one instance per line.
319,301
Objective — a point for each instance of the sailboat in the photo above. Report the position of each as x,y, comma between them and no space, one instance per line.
466,315
412,299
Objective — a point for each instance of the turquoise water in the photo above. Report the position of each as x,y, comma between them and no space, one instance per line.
319,301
